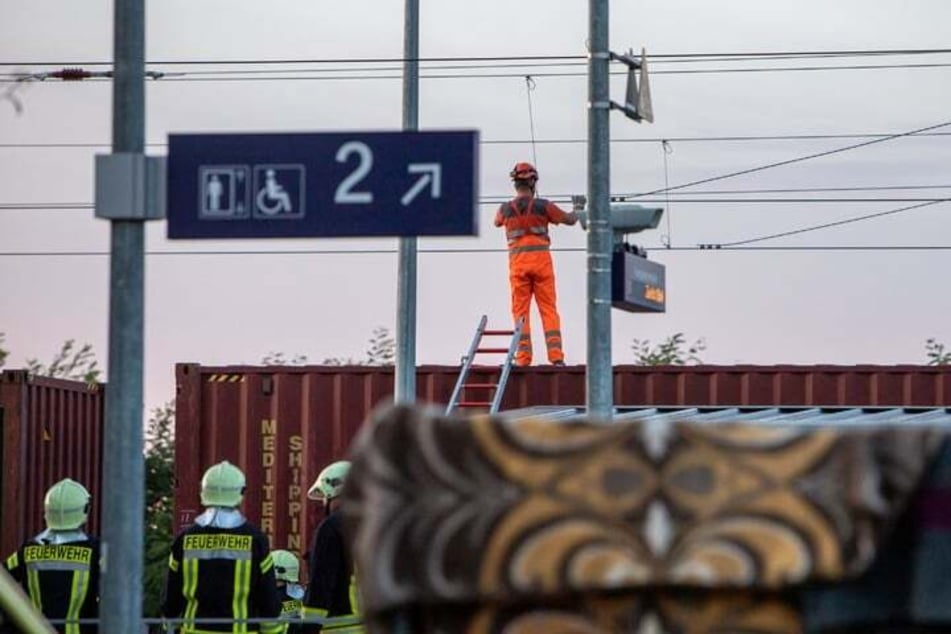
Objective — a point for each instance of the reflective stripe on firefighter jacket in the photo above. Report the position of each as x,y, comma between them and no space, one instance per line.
62,579
292,608
531,272
222,573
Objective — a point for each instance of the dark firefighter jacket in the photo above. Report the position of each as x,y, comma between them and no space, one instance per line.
222,573
62,579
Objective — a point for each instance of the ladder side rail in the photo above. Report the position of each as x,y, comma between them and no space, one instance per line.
506,368
466,364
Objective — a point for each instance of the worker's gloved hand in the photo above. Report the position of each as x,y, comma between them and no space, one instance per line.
578,202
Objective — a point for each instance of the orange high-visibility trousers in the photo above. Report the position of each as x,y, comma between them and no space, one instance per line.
531,274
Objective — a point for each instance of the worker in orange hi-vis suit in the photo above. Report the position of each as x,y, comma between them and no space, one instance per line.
531,273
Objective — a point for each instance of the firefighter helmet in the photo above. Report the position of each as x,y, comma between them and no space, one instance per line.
222,485
286,566
66,505
524,172
329,483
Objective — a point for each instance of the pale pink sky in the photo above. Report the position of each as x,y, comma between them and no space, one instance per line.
752,307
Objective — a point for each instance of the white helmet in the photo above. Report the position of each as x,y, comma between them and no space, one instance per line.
286,566
329,483
222,485
66,505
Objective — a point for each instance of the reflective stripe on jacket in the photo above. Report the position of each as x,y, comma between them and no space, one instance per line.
526,221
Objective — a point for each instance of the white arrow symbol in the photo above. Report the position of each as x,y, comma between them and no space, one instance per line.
431,173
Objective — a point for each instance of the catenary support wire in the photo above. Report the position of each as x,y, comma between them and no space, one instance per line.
667,149
825,225
529,89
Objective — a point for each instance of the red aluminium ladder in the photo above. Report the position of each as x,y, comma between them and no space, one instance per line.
460,397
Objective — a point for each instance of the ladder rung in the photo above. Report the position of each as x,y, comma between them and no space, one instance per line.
499,332
493,350
487,386
473,404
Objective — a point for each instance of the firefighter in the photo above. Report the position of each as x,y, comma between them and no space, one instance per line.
526,219
221,566
332,591
287,573
59,568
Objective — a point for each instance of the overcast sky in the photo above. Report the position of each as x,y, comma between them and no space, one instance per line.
758,306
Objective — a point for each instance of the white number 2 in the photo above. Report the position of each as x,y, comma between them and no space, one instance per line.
344,193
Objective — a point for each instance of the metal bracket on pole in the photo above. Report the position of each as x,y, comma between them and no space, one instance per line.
130,186
628,60
637,102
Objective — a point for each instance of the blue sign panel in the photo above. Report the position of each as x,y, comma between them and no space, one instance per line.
335,184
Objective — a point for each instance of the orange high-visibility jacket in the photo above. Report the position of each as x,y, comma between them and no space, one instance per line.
526,221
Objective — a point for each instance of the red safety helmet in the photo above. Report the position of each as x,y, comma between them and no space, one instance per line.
524,172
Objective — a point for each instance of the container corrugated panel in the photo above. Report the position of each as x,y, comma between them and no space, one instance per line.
51,429
908,386
282,425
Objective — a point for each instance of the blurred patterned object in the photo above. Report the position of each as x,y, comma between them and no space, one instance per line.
664,525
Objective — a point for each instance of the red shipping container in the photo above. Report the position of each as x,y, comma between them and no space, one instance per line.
281,425
50,429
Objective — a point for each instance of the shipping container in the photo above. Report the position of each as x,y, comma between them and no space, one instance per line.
50,429
281,425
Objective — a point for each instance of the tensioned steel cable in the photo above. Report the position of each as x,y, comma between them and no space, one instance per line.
459,251
825,225
694,139
532,64
666,150
184,76
395,74
497,58
798,159
529,88
560,198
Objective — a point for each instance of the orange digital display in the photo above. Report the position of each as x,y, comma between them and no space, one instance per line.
654,294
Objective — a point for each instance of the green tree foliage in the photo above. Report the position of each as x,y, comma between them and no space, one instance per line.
69,363
279,358
382,349
936,353
340,361
159,490
674,350
4,353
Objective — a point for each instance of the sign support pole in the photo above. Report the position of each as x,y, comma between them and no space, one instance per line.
405,379
123,472
600,396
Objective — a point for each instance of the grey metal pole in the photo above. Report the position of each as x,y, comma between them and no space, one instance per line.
406,283
600,397
123,471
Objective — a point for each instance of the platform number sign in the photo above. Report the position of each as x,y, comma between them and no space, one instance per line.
322,184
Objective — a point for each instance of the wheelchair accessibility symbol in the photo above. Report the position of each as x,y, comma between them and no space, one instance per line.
278,191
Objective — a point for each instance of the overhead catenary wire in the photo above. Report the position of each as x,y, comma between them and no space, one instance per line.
529,89
460,251
572,141
654,57
666,149
301,68
161,77
824,225
797,159
559,198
